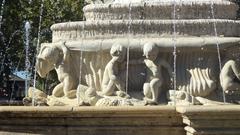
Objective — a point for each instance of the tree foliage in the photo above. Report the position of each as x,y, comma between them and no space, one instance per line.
15,14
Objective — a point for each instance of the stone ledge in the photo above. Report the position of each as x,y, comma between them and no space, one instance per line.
161,10
154,120
143,28
161,120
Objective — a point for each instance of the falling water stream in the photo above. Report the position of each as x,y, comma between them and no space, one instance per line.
37,49
27,61
81,63
217,44
1,34
174,52
128,46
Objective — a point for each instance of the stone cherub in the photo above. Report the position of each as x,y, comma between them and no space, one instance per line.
113,71
230,76
154,78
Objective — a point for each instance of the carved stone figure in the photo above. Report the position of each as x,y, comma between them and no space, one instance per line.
58,57
154,78
230,76
112,83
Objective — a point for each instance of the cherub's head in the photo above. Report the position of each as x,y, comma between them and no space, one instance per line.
150,51
118,52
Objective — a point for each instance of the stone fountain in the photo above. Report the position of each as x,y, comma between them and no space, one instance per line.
160,56
104,60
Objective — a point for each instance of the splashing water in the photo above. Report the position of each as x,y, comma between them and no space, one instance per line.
37,49
217,44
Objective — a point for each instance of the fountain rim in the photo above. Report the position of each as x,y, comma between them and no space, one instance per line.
82,24
93,7
182,43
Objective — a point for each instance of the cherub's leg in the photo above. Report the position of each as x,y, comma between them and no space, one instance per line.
68,84
148,94
58,90
147,91
108,89
155,85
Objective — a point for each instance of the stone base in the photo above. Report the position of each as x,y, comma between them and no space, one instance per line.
161,120
211,120
154,120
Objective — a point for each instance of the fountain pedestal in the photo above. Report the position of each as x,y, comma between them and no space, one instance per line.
211,120
161,120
